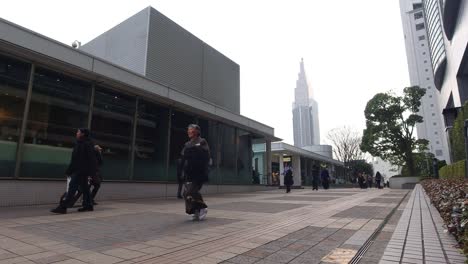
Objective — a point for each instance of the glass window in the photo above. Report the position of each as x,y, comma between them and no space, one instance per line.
180,122
59,105
112,126
422,37
419,26
227,158
417,6
209,131
14,77
418,15
151,142
244,157
439,152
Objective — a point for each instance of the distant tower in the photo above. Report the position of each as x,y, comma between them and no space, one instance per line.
305,113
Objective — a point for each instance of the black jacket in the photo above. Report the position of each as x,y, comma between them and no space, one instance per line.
288,178
195,160
83,161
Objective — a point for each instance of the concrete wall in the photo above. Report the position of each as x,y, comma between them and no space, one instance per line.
403,182
23,192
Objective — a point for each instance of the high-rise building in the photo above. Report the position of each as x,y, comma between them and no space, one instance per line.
305,113
418,41
447,27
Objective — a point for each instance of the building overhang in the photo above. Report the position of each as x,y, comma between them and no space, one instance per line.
450,114
46,52
284,148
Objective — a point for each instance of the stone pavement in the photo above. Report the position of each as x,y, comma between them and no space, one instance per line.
262,227
419,236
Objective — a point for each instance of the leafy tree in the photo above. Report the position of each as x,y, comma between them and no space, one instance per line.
390,122
360,166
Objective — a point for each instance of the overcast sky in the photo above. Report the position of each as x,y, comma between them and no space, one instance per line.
351,49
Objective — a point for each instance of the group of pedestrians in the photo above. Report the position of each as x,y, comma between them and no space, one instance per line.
316,180
83,173
367,181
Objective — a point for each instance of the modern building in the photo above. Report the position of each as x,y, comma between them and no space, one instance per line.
305,113
447,24
419,47
138,110
303,163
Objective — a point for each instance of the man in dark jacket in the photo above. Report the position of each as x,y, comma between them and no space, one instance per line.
195,158
288,180
83,164
378,179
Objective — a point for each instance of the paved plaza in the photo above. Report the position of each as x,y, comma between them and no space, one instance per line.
334,226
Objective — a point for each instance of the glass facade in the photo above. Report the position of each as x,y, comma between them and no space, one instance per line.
59,105
150,152
14,78
111,128
435,32
141,140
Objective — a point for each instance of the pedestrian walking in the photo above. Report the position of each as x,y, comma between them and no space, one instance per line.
378,180
288,180
369,181
96,180
315,178
82,165
325,177
195,158
361,180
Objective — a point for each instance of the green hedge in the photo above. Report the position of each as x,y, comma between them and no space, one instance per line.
453,171
457,138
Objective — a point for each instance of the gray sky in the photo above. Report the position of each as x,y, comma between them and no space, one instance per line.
351,49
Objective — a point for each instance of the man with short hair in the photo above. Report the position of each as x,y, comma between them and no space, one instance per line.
195,159
83,164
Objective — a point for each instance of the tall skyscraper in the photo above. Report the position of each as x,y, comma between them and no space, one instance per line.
418,53
305,113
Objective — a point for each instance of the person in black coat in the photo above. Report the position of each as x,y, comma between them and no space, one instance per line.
288,180
195,157
378,179
83,164
325,179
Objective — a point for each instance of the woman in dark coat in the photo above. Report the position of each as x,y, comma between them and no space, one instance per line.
325,179
288,180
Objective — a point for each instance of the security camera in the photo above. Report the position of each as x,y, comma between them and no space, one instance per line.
76,44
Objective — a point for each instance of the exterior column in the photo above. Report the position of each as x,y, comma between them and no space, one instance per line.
296,165
281,167
268,161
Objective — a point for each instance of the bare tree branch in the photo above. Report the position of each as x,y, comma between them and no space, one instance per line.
346,144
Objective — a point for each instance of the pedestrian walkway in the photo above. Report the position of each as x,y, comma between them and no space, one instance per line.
419,236
261,227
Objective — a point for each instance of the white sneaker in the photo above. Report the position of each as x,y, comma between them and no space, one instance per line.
203,213
196,216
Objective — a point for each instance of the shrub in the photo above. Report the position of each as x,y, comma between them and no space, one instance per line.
453,171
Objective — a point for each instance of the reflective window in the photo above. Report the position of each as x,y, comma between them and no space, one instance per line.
14,76
227,159
180,122
422,37
209,131
59,105
244,157
419,26
418,15
111,126
151,142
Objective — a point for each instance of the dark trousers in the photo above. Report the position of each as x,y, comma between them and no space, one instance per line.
288,188
315,185
325,184
96,183
193,199
179,190
377,182
77,181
